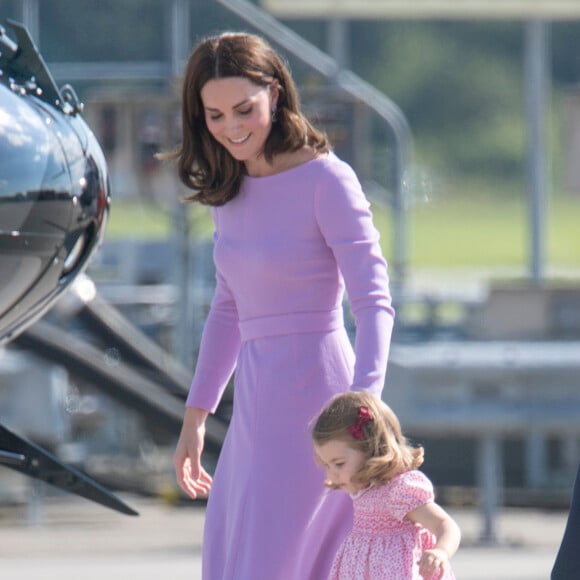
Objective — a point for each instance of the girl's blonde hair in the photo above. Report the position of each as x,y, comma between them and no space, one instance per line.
369,425
203,164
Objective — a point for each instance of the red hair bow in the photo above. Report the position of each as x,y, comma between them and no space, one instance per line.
364,417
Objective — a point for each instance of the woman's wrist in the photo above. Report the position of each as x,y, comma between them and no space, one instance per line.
195,416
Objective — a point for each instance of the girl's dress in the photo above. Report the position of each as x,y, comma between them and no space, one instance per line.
285,248
382,544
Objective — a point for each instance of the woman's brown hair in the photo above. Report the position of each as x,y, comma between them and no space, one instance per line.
203,164
380,439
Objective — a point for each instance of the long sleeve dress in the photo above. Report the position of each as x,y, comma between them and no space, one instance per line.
383,544
285,249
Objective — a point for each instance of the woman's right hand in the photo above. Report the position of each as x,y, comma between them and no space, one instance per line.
190,474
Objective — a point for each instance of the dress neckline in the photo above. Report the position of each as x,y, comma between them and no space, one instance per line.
285,172
361,492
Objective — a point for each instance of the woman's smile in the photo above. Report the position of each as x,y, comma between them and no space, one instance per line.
240,140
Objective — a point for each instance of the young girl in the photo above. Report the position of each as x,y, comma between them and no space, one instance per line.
399,532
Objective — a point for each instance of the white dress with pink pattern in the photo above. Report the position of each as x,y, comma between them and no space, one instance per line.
382,544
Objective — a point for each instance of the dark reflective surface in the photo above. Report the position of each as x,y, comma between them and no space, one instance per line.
54,200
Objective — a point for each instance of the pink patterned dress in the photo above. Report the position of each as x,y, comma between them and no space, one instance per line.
382,544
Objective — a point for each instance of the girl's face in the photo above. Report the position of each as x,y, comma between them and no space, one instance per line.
238,114
341,462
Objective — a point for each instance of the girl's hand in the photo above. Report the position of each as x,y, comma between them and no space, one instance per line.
433,563
190,474
447,533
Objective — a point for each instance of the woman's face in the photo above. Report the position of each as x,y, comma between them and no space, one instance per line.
238,114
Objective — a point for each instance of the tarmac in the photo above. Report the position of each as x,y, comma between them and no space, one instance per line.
66,538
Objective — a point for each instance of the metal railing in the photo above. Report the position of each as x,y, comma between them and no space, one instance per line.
359,89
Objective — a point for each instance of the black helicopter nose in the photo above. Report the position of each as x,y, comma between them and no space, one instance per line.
54,191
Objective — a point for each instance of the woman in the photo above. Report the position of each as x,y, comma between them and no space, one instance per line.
292,229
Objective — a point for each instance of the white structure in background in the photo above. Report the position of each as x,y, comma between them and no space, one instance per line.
34,398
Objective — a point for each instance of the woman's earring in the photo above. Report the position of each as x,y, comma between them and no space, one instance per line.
274,114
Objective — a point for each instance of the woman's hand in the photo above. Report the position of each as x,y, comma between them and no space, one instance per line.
190,474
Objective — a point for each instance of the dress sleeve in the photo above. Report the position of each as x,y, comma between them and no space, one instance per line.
219,348
345,220
409,491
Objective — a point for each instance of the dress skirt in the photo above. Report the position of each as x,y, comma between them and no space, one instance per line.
269,516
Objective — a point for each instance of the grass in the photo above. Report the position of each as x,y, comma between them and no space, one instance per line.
457,231
486,232
133,219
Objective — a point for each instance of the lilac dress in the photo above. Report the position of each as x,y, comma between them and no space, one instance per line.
285,248
383,544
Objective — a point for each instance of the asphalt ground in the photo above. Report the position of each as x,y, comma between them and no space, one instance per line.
66,538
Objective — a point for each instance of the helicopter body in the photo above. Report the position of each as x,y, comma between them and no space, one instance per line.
54,187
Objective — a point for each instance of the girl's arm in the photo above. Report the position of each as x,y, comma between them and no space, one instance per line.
447,533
